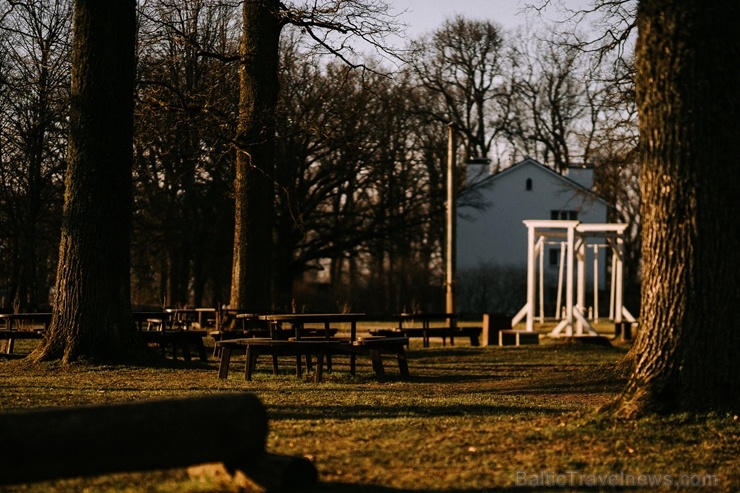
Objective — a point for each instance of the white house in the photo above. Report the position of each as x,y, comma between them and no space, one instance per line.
492,209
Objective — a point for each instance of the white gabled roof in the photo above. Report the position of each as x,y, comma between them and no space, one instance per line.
533,162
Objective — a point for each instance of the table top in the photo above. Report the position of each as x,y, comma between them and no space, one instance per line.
254,316
152,313
427,316
266,341
298,319
312,317
44,318
190,311
26,316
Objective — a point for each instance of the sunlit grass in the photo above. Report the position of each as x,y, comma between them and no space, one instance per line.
469,419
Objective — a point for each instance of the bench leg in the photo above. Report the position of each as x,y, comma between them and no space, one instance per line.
319,367
275,369
201,349
216,348
377,361
403,364
250,361
223,367
185,348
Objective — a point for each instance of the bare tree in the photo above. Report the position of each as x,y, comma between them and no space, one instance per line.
33,103
91,317
328,24
549,92
460,67
186,105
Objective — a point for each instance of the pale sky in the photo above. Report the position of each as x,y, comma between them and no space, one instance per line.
424,16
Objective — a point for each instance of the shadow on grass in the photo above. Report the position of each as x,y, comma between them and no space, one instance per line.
360,488
362,411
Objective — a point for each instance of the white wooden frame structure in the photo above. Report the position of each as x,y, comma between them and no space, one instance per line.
573,236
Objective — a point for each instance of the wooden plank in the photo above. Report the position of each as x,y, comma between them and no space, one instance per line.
8,337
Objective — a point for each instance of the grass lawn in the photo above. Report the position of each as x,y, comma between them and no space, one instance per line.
469,419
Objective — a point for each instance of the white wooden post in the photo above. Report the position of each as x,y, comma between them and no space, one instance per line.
541,250
618,288
530,276
561,266
613,285
596,283
569,282
581,282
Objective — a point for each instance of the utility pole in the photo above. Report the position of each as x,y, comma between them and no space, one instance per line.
450,251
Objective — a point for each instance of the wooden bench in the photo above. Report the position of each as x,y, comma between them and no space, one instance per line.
227,335
9,336
264,332
177,339
319,347
473,333
376,346
623,330
29,325
517,337
253,347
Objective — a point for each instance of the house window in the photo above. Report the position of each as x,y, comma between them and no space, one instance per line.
529,183
564,215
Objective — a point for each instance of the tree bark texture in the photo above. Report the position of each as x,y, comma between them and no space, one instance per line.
92,311
254,187
687,74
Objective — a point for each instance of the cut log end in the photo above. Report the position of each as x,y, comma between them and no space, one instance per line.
272,473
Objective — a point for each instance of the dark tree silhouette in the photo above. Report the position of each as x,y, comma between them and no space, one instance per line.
92,314
686,354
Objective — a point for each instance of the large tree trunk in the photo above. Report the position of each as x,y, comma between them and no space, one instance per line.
687,71
92,312
254,183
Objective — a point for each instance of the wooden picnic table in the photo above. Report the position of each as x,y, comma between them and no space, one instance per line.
429,326
38,323
442,325
321,348
299,321
35,318
166,333
189,316
322,344
172,328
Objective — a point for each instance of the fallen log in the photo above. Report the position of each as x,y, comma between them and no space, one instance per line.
45,444
271,473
